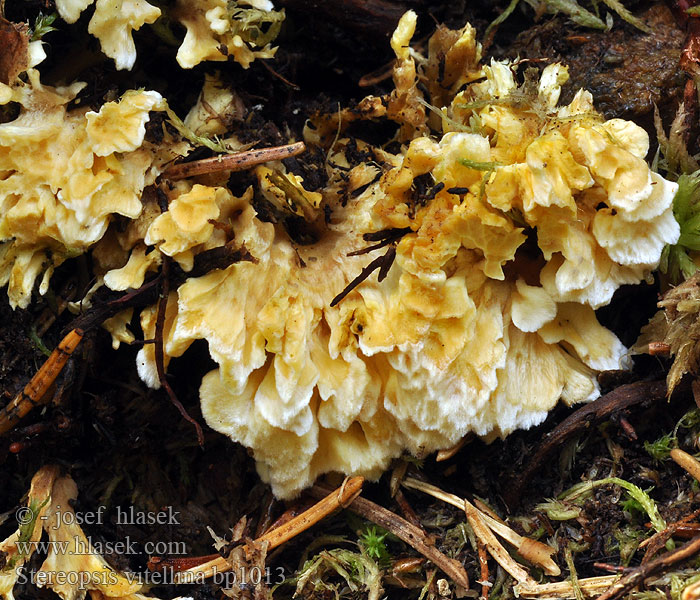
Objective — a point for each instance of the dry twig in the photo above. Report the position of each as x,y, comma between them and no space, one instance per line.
639,574
408,511
159,354
657,541
405,531
239,161
483,569
35,391
620,398
330,501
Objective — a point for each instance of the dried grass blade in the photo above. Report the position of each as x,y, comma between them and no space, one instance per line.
532,550
563,590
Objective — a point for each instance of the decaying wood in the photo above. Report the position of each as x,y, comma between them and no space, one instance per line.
14,58
368,18
405,531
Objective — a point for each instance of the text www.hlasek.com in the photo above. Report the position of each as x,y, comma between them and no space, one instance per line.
79,547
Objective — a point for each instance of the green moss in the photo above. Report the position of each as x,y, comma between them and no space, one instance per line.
676,260
43,24
575,12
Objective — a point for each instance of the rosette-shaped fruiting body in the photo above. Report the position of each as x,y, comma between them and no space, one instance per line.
492,244
65,173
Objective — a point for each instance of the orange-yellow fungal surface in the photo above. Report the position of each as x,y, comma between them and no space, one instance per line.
64,174
486,318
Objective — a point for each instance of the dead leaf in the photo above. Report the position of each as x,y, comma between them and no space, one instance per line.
14,57
248,571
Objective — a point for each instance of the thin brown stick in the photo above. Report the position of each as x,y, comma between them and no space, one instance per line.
279,76
266,511
638,575
161,564
330,502
610,568
34,392
405,531
619,399
239,161
158,349
483,568
220,257
628,429
378,75
38,387
49,315
657,541
288,515
407,510
383,263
